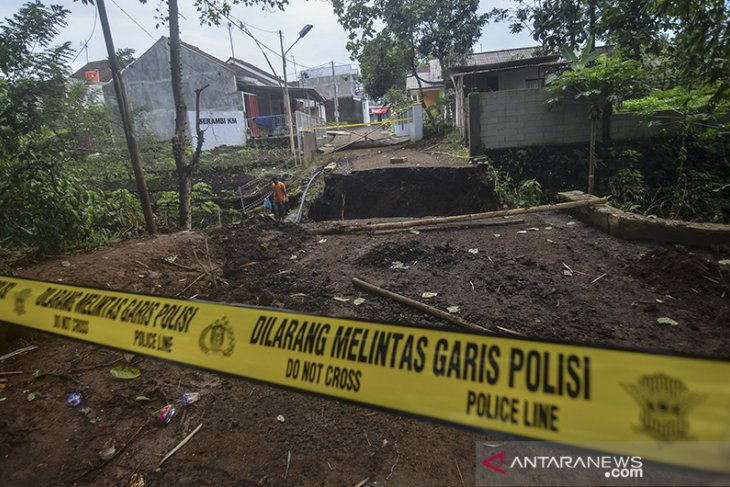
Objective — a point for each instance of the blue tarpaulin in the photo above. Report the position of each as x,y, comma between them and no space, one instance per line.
268,122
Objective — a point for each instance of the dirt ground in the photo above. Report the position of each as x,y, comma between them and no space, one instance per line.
421,154
517,280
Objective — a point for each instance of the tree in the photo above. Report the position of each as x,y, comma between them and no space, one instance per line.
210,13
702,41
125,56
629,25
632,28
421,28
384,65
598,87
554,24
44,203
180,140
32,72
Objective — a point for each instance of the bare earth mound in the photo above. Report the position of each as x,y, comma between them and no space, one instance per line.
615,294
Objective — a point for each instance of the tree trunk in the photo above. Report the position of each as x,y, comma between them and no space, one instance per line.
592,157
180,139
592,24
420,85
420,93
606,115
128,124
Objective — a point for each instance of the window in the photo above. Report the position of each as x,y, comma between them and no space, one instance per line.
534,83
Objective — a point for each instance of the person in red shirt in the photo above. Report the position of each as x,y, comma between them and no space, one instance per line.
279,198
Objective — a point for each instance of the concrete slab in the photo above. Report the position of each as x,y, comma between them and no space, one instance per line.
630,226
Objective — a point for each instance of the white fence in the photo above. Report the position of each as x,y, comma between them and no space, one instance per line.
308,123
409,122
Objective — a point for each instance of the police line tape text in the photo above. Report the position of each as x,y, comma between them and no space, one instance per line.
139,311
539,371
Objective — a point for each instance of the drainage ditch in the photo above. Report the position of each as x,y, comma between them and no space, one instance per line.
405,192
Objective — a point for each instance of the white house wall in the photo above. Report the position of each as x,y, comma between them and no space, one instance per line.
219,128
321,80
149,88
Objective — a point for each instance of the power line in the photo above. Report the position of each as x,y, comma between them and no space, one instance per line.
259,28
242,26
93,29
133,20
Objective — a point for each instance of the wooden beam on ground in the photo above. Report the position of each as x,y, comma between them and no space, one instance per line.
418,305
448,226
460,218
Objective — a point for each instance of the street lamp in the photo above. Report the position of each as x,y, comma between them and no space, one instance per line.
305,30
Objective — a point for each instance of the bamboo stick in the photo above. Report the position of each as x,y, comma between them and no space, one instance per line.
418,305
465,226
459,218
180,445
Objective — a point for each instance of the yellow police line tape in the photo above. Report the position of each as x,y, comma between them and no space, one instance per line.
670,408
366,124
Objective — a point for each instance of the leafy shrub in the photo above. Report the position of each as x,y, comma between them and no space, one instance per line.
202,205
627,188
527,192
48,206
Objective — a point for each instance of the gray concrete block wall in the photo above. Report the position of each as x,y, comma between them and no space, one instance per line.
520,118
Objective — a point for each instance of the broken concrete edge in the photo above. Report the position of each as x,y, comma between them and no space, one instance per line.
630,226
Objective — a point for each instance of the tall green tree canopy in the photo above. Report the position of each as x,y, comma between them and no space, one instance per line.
630,25
419,29
701,40
45,123
384,64
32,71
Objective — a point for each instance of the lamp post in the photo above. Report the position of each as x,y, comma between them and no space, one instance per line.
305,30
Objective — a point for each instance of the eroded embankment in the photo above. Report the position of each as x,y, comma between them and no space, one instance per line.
405,192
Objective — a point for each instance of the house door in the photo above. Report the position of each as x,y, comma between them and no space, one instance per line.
252,110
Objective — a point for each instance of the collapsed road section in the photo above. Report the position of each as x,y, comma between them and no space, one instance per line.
405,192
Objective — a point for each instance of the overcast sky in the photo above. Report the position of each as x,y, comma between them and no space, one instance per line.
133,26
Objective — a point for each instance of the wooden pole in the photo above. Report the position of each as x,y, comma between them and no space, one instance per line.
418,305
464,226
127,123
460,218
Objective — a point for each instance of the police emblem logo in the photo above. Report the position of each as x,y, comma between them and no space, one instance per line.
665,406
20,298
218,338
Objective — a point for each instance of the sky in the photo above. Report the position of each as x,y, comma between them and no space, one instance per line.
133,25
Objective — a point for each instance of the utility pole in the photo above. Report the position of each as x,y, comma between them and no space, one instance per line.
337,102
144,196
230,37
287,107
296,74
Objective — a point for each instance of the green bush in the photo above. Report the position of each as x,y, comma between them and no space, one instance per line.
627,188
202,205
49,207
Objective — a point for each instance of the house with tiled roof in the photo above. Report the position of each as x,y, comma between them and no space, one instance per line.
236,97
506,69
94,72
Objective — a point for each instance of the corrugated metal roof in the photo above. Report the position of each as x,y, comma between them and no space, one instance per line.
247,70
433,77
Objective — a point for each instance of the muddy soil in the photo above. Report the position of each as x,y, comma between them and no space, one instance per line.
419,154
516,279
